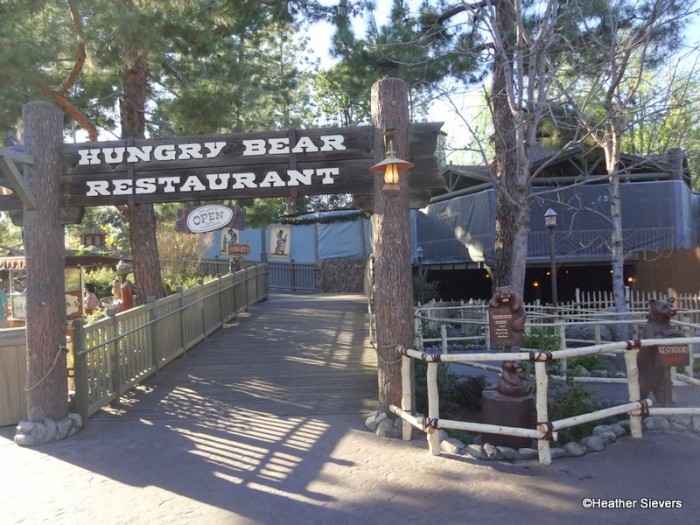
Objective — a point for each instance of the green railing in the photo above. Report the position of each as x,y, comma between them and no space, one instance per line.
117,353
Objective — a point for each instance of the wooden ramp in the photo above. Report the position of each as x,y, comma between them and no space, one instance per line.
293,355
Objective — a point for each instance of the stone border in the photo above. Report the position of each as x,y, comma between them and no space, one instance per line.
382,425
31,433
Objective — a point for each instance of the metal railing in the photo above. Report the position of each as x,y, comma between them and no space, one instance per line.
117,353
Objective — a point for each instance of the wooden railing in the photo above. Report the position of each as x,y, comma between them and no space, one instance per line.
115,354
545,430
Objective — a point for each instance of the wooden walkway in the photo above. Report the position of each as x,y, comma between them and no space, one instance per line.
293,355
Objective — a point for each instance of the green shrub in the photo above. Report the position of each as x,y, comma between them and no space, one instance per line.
470,391
569,399
589,362
544,339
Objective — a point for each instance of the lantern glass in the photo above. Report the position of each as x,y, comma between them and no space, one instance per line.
391,175
550,218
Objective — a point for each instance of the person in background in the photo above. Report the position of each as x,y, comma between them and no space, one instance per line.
90,300
128,290
4,308
116,305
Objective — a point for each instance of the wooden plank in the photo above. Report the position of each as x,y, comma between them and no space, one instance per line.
17,182
13,376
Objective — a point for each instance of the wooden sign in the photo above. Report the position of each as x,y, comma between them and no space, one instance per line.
209,218
501,327
673,355
238,249
238,166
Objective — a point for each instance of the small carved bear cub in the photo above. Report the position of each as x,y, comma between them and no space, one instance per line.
654,378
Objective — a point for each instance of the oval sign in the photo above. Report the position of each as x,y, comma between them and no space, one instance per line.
208,218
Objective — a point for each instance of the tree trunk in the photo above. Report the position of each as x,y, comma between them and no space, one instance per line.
392,262
47,394
512,206
142,219
612,159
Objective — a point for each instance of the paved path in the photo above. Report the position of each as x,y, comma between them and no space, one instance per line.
262,424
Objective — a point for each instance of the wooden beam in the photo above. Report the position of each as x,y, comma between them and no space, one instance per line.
8,157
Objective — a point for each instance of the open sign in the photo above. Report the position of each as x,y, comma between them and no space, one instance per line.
208,218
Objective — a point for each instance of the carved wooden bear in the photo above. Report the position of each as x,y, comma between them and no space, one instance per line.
653,378
513,381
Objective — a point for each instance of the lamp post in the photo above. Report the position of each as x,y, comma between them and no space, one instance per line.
550,220
419,258
421,278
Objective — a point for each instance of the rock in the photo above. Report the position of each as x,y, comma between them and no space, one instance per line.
490,451
606,433
696,423
601,429
681,422
25,427
557,452
656,423
508,453
65,428
587,332
373,420
452,446
620,375
600,373
385,428
51,430
593,443
575,449
625,424
528,453
475,451
76,418
618,429
443,435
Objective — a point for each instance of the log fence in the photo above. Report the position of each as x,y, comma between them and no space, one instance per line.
546,430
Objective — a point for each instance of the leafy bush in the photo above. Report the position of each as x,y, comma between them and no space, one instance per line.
543,339
470,391
569,399
424,291
589,362
102,278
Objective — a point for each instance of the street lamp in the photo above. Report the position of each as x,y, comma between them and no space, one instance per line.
550,220
419,258
391,165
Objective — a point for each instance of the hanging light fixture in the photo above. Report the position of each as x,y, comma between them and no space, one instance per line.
391,166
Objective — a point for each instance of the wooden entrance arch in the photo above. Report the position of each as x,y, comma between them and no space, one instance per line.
50,182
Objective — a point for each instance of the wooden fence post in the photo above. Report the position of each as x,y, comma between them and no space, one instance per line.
542,381
407,396
153,330
433,408
634,392
82,386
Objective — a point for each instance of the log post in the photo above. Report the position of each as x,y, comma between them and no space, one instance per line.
433,408
47,387
407,395
634,392
542,381
392,244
